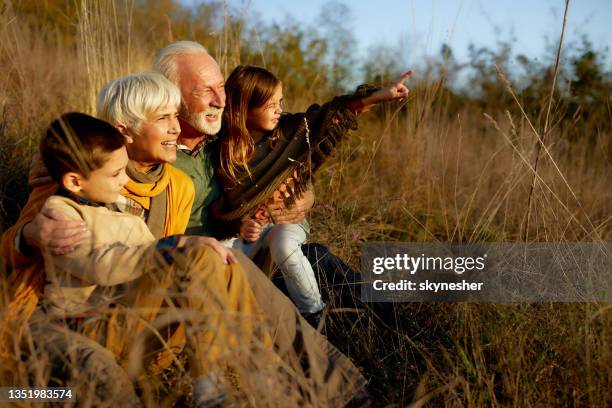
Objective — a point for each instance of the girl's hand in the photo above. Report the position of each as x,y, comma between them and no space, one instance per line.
395,91
250,230
225,254
295,214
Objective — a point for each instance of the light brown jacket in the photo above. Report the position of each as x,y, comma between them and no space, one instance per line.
119,248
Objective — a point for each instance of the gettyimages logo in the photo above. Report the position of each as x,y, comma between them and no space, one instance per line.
414,264
487,272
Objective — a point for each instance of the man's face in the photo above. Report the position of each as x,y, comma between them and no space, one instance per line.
202,89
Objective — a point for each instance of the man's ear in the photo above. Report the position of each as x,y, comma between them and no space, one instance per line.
123,129
72,182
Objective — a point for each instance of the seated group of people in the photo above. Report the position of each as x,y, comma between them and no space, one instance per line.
134,244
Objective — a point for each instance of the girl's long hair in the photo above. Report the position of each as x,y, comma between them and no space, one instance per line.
248,87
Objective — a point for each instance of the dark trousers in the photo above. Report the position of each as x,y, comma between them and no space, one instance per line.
337,280
340,284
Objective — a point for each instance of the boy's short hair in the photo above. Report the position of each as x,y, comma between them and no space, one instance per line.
77,142
132,99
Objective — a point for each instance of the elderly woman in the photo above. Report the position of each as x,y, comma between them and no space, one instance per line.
162,196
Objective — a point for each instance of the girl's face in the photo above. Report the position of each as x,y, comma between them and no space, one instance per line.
155,140
265,118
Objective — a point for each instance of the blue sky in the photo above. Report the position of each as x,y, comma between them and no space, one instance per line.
421,26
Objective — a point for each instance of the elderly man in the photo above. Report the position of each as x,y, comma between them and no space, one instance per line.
330,374
188,65
199,78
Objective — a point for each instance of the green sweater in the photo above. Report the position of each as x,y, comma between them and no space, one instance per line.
199,165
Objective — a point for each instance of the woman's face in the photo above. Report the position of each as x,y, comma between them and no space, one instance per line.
154,141
266,117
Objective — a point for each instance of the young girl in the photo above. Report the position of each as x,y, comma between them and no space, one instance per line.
268,157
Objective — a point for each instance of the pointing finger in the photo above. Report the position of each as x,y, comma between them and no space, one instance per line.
404,76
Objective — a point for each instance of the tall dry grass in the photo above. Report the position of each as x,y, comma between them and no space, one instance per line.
411,173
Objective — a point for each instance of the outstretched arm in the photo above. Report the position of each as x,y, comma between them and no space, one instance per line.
119,263
397,91
296,214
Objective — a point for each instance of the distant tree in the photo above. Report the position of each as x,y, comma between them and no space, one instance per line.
296,54
590,82
447,68
341,43
382,64
590,89
484,82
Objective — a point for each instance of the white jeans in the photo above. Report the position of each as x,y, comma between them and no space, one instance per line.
284,241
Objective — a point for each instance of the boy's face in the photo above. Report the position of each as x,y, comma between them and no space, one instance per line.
104,184
155,140
265,118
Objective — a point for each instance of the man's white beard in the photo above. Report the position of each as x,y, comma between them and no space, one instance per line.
198,121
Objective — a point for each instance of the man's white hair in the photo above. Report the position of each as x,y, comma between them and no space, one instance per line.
165,63
135,98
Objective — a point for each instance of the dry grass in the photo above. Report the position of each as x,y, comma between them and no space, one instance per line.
413,173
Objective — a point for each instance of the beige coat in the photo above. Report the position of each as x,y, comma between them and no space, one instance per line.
119,248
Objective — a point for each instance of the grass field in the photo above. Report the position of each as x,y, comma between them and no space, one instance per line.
423,171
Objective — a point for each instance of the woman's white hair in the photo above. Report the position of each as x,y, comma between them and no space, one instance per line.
165,63
132,99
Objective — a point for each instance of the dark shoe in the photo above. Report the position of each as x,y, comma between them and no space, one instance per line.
362,399
315,320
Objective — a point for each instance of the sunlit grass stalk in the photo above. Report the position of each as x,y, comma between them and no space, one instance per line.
546,122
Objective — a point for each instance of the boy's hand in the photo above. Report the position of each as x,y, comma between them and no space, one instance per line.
395,91
250,229
225,254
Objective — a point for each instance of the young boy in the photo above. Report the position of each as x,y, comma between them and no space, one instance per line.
87,158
